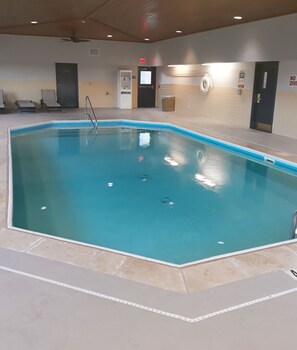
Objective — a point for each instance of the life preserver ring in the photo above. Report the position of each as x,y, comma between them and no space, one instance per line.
206,83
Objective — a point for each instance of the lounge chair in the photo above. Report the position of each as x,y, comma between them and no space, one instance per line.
49,100
26,106
2,103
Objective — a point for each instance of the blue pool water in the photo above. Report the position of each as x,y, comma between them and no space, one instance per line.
153,193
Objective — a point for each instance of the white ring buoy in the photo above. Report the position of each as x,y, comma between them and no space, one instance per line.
206,83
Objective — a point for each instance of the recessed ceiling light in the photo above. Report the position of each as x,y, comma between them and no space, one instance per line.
146,39
237,17
178,31
83,21
109,35
34,22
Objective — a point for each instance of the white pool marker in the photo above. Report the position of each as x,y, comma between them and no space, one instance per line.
43,208
221,242
110,184
144,178
171,203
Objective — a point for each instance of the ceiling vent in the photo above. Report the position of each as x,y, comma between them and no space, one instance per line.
94,52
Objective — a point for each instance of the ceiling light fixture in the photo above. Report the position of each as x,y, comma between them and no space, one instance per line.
146,39
237,17
83,21
178,31
109,35
34,22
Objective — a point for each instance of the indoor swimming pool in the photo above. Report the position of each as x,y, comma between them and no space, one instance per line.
150,190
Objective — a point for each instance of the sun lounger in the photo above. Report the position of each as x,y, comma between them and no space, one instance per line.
2,103
49,100
26,106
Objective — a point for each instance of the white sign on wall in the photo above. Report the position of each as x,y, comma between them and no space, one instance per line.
293,80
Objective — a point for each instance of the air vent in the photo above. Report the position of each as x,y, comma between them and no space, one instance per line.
94,52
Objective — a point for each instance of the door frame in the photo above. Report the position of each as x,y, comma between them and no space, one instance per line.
76,83
144,86
253,118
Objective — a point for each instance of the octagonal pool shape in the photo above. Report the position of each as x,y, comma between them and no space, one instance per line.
152,190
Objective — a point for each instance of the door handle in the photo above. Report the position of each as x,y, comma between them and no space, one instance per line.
258,100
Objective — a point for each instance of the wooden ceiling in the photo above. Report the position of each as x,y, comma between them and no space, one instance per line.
132,20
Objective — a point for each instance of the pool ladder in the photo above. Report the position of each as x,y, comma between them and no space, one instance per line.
294,226
92,117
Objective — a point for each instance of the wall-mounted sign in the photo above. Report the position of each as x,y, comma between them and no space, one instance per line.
240,85
293,80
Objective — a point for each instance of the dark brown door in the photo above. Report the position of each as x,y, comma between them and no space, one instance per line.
146,87
264,95
67,84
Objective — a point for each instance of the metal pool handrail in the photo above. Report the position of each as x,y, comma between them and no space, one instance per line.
95,124
294,225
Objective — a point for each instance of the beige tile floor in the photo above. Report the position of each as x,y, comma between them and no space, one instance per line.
184,280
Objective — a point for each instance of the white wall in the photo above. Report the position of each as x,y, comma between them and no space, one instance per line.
27,64
269,40
222,104
285,114
223,74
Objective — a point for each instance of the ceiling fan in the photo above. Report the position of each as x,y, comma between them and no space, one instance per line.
75,39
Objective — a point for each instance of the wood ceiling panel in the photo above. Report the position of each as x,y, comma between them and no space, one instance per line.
66,29
132,20
21,12
160,19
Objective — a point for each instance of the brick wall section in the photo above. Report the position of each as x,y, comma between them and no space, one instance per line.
221,103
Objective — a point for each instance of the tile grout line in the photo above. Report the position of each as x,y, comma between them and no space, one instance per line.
118,269
147,308
185,281
99,252
33,245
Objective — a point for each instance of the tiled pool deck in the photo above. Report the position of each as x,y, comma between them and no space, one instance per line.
184,280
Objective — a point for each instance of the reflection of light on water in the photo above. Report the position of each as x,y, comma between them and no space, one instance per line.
201,157
213,167
179,157
205,181
144,139
217,172
170,161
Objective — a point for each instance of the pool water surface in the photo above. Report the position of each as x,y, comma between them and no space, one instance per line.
149,192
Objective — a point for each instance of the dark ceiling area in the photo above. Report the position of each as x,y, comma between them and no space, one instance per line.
132,20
